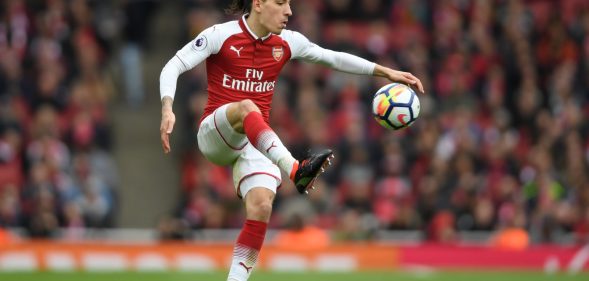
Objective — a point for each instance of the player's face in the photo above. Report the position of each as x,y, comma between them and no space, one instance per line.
274,14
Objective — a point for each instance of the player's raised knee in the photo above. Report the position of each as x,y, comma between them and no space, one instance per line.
246,106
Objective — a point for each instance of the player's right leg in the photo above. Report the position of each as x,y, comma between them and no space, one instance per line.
245,117
217,140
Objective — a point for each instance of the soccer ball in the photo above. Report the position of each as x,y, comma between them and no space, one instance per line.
395,106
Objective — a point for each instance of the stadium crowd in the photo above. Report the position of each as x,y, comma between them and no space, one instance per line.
502,141
56,169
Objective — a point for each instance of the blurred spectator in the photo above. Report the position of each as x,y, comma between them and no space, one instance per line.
11,161
511,234
10,206
5,237
442,227
138,14
170,229
298,235
512,239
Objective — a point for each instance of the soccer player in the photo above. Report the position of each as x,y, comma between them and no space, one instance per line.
243,60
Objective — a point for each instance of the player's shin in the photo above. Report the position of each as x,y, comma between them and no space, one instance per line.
263,138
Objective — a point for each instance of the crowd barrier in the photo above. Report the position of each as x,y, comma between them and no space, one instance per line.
114,256
63,256
538,257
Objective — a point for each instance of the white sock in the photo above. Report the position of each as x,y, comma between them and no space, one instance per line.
271,146
242,265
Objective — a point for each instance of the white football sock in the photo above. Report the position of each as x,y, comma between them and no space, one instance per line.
242,265
271,146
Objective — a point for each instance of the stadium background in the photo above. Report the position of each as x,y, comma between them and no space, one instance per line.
499,156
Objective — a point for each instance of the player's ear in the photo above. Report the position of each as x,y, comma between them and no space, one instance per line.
256,5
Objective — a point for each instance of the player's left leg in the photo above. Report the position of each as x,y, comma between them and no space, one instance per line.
259,190
256,179
258,204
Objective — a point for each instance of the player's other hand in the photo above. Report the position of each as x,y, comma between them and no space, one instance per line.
167,125
399,77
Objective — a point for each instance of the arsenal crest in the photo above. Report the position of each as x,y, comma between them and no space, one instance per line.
277,53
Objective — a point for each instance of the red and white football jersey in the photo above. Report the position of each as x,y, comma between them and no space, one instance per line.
242,66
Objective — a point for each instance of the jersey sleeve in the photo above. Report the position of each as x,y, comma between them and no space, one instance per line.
302,48
191,55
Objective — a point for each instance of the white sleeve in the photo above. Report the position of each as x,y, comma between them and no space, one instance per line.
192,54
302,48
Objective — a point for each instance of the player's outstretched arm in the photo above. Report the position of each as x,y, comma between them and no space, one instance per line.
168,121
302,48
398,76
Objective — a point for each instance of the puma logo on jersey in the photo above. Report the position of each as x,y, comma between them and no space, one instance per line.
232,48
247,268
271,146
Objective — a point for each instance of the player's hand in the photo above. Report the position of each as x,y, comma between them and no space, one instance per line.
167,125
399,77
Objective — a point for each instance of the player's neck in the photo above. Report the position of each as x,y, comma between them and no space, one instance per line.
255,26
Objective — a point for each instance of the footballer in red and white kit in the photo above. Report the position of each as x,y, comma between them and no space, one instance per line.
243,60
241,65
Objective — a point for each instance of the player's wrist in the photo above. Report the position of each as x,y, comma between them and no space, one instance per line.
167,103
379,71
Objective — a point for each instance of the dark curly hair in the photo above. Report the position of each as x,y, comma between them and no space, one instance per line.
239,7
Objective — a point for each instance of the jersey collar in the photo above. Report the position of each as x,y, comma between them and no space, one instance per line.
246,28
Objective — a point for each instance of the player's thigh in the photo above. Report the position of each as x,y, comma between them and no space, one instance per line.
253,169
218,141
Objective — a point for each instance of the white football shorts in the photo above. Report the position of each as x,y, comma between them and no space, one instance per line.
222,145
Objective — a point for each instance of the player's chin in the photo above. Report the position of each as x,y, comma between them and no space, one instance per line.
277,31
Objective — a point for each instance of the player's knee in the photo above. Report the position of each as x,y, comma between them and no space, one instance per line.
261,209
246,106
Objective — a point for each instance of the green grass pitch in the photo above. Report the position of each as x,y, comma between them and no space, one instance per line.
306,276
